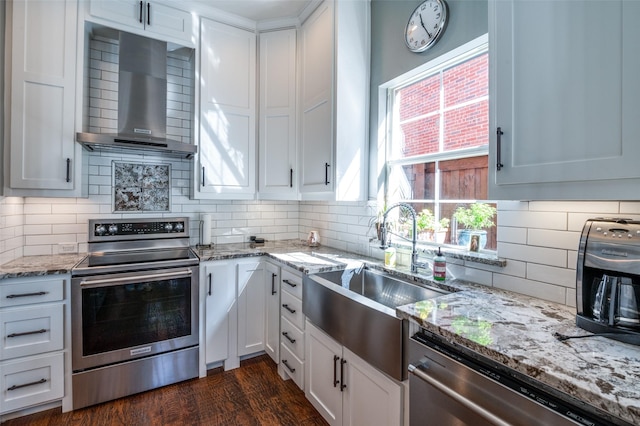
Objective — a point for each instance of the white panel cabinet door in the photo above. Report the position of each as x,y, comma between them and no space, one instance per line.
43,81
564,99
219,279
272,292
370,397
227,146
277,137
251,307
322,374
316,109
150,18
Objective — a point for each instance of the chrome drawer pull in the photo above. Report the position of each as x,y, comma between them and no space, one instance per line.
39,382
26,333
286,334
39,293
293,311
290,283
286,364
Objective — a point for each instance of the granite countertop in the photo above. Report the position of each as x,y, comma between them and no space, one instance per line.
517,331
33,266
509,328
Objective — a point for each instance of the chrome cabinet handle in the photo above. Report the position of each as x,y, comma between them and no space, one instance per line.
499,134
286,364
342,385
27,333
286,334
490,417
273,283
335,371
14,387
290,283
39,293
286,306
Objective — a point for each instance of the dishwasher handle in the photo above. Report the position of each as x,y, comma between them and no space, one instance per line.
415,370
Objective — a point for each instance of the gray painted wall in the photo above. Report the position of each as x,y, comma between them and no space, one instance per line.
390,57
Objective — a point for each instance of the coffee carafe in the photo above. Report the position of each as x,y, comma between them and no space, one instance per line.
607,280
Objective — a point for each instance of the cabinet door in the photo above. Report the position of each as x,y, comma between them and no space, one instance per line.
278,169
272,291
164,21
219,279
124,12
251,307
31,330
370,398
317,127
565,98
226,150
322,374
43,64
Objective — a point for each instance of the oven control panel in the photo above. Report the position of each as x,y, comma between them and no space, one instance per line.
155,227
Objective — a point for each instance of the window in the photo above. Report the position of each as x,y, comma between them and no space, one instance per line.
437,142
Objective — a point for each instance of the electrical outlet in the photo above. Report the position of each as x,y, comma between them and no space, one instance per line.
64,248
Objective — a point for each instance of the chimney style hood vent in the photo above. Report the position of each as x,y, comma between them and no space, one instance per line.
142,103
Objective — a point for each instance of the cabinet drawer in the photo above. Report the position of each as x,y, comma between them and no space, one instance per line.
31,330
292,283
292,366
291,309
31,381
33,290
292,337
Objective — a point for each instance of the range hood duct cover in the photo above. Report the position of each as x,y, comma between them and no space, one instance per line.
142,102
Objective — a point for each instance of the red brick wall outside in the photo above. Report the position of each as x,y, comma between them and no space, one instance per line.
464,127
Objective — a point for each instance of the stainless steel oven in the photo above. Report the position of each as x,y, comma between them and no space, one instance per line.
134,303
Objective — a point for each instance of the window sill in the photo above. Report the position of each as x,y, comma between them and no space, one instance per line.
484,257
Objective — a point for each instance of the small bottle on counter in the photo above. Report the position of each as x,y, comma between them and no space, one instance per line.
390,257
439,266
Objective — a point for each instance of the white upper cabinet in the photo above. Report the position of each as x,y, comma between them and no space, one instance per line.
43,159
565,96
163,21
334,101
278,170
227,147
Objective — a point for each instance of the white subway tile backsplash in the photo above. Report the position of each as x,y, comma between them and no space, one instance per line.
551,238
542,255
509,234
537,289
528,219
559,276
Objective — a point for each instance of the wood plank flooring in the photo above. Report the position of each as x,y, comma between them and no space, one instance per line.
253,394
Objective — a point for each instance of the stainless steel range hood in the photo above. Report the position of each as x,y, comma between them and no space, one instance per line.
142,103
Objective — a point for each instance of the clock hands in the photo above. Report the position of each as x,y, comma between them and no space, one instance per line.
425,28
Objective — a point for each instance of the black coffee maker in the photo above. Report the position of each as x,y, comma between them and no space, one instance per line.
608,279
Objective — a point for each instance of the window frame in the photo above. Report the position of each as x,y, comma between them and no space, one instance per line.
390,122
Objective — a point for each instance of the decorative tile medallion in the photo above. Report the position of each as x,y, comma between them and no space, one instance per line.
141,187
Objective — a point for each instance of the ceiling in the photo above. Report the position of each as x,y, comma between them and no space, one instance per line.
260,10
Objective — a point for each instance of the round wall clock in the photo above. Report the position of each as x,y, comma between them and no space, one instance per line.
426,24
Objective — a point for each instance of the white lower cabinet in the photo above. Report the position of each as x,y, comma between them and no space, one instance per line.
344,388
219,281
272,291
33,347
292,355
251,307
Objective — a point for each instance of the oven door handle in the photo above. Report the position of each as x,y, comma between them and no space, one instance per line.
135,279
480,411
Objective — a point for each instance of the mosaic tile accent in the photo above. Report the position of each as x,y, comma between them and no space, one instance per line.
141,187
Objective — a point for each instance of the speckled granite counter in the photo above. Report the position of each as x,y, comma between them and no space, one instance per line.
31,266
517,331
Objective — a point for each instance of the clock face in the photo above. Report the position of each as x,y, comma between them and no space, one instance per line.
426,25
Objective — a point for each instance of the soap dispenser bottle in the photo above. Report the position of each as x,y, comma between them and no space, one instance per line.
439,266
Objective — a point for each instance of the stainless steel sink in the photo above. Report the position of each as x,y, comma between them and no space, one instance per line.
358,310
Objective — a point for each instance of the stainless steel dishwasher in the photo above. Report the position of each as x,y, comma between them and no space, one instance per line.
452,388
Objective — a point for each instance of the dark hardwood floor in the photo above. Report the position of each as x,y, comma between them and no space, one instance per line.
253,394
